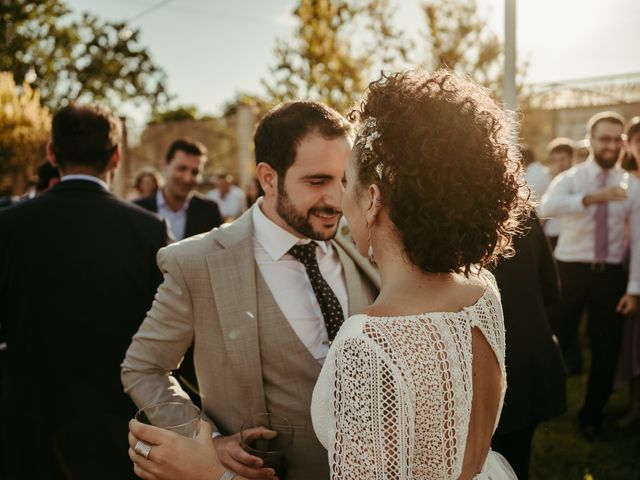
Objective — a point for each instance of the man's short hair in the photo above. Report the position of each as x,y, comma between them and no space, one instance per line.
608,116
85,135
561,145
278,135
186,145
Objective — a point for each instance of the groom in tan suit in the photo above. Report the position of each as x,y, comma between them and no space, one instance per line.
261,310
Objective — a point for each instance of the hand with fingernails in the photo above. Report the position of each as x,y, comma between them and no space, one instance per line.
159,454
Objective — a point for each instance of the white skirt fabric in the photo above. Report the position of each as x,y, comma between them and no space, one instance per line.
496,468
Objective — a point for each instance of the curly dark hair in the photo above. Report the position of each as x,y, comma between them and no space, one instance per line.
439,149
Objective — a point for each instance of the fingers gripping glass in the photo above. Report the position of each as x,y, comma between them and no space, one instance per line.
182,418
269,443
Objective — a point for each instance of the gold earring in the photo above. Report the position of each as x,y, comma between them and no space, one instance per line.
370,250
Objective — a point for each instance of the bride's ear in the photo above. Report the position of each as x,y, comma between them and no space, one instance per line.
374,203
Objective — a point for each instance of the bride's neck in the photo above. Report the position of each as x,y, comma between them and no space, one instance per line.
398,273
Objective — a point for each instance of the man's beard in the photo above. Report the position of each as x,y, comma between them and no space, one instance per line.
606,163
298,221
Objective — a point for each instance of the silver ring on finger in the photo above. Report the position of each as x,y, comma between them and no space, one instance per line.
228,475
143,449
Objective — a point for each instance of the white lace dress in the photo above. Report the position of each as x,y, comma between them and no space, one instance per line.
393,399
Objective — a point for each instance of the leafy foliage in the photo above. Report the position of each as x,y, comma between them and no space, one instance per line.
324,62
69,59
185,112
460,39
24,127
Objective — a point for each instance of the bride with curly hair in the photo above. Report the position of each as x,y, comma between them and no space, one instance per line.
413,387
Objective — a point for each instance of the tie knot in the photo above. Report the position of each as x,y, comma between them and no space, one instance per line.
305,253
602,178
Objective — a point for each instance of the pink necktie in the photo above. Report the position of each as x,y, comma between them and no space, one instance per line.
602,227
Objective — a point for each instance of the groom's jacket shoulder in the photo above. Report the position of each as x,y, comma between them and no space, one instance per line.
196,246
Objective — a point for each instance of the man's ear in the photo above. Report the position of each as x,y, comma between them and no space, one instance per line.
115,158
51,155
374,203
268,179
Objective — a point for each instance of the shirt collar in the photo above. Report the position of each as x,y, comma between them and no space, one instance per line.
275,239
161,202
595,169
90,178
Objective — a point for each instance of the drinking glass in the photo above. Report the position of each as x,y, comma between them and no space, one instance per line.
270,448
182,418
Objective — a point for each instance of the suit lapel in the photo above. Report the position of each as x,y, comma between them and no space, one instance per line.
362,278
233,279
357,294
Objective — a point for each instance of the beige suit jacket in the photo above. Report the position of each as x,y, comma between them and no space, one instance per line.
209,298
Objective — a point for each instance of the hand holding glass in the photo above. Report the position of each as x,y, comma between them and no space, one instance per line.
270,446
182,418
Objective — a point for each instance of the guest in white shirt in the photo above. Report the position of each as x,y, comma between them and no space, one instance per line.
536,174
593,201
230,198
560,157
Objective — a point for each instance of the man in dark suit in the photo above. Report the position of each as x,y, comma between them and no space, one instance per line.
188,212
77,275
528,284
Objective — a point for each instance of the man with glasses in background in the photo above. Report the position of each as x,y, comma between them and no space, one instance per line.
593,201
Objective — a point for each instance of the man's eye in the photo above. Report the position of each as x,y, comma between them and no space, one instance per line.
316,183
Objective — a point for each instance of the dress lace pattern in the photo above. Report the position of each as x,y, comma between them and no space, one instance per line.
393,399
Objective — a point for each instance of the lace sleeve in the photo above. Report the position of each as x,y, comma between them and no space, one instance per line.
372,422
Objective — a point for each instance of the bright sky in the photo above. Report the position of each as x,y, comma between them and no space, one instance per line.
212,49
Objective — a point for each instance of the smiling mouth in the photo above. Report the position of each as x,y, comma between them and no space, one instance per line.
326,216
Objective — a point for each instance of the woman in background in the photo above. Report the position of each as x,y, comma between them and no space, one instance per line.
146,183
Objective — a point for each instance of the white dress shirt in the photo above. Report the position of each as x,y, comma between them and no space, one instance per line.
89,178
538,179
289,284
563,200
232,205
177,220
552,227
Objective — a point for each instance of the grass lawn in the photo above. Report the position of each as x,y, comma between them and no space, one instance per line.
559,452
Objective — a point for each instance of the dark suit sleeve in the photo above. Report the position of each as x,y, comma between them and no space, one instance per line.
216,215
549,279
163,238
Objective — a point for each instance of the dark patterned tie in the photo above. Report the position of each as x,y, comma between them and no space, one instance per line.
329,304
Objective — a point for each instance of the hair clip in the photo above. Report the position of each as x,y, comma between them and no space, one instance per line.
368,134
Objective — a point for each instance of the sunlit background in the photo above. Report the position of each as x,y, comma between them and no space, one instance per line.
212,49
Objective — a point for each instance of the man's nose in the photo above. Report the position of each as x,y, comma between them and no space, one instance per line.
334,195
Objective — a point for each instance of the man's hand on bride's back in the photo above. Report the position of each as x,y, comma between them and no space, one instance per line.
174,456
234,458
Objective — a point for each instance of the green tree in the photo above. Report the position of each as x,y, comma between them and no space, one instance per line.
185,112
71,59
338,46
460,39
24,130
